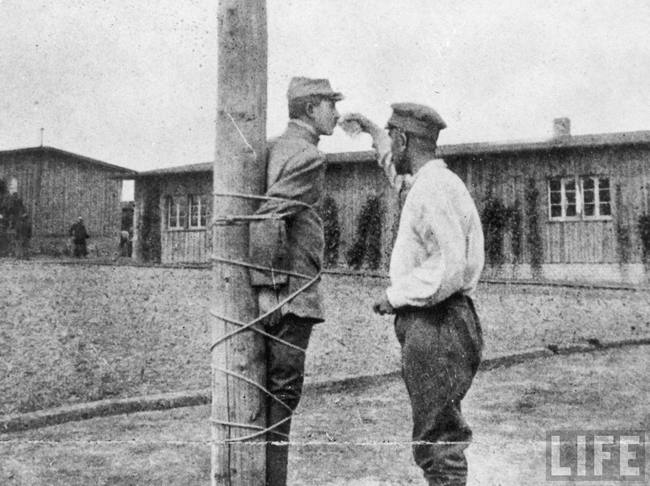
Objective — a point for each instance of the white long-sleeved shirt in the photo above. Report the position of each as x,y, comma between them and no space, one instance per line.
439,246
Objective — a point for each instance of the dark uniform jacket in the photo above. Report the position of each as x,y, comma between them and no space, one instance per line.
23,228
296,172
78,232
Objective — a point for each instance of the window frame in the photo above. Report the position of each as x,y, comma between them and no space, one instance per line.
179,219
597,216
578,184
563,199
203,211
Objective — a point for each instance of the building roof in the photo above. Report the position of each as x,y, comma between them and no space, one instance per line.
448,151
557,143
45,150
178,169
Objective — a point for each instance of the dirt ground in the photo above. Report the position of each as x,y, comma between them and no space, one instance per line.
354,436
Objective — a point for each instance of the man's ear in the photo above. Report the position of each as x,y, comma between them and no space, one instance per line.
402,140
309,110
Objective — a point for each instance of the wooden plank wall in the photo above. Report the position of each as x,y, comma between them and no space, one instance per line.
506,176
503,176
26,171
351,185
57,189
185,246
70,189
189,245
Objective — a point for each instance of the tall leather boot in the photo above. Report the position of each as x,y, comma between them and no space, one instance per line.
277,455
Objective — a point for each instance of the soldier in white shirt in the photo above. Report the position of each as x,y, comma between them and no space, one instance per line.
435,265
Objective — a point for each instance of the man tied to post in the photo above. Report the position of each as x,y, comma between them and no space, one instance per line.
435,265
292,240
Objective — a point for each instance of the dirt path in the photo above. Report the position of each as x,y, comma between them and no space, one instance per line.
353,436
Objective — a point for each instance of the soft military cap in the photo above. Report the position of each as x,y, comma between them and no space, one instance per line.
300,87
419,120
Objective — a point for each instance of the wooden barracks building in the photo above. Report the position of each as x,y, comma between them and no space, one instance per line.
57,187
570,207
173,207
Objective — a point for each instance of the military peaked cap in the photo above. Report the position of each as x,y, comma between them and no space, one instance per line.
300,87
419,120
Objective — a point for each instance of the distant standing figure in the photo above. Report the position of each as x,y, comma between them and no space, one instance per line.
79,237
23,234
125,243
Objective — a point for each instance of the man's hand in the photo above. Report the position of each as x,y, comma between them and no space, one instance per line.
382,306
380,139
365,124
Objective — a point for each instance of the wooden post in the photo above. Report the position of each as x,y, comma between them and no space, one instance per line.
239,167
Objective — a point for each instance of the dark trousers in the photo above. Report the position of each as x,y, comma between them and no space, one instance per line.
285,376
125,248
80,249
441,352
21,248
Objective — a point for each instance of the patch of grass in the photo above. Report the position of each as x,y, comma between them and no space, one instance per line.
74,333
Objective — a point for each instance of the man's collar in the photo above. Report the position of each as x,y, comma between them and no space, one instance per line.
439,163
304,130
304,125
433,163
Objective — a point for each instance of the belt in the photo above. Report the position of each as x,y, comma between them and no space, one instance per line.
453,298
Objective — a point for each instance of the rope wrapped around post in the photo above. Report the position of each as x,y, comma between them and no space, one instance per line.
245,326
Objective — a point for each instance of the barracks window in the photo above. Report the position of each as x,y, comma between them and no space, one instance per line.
199,210
187,212
579,198
176,212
